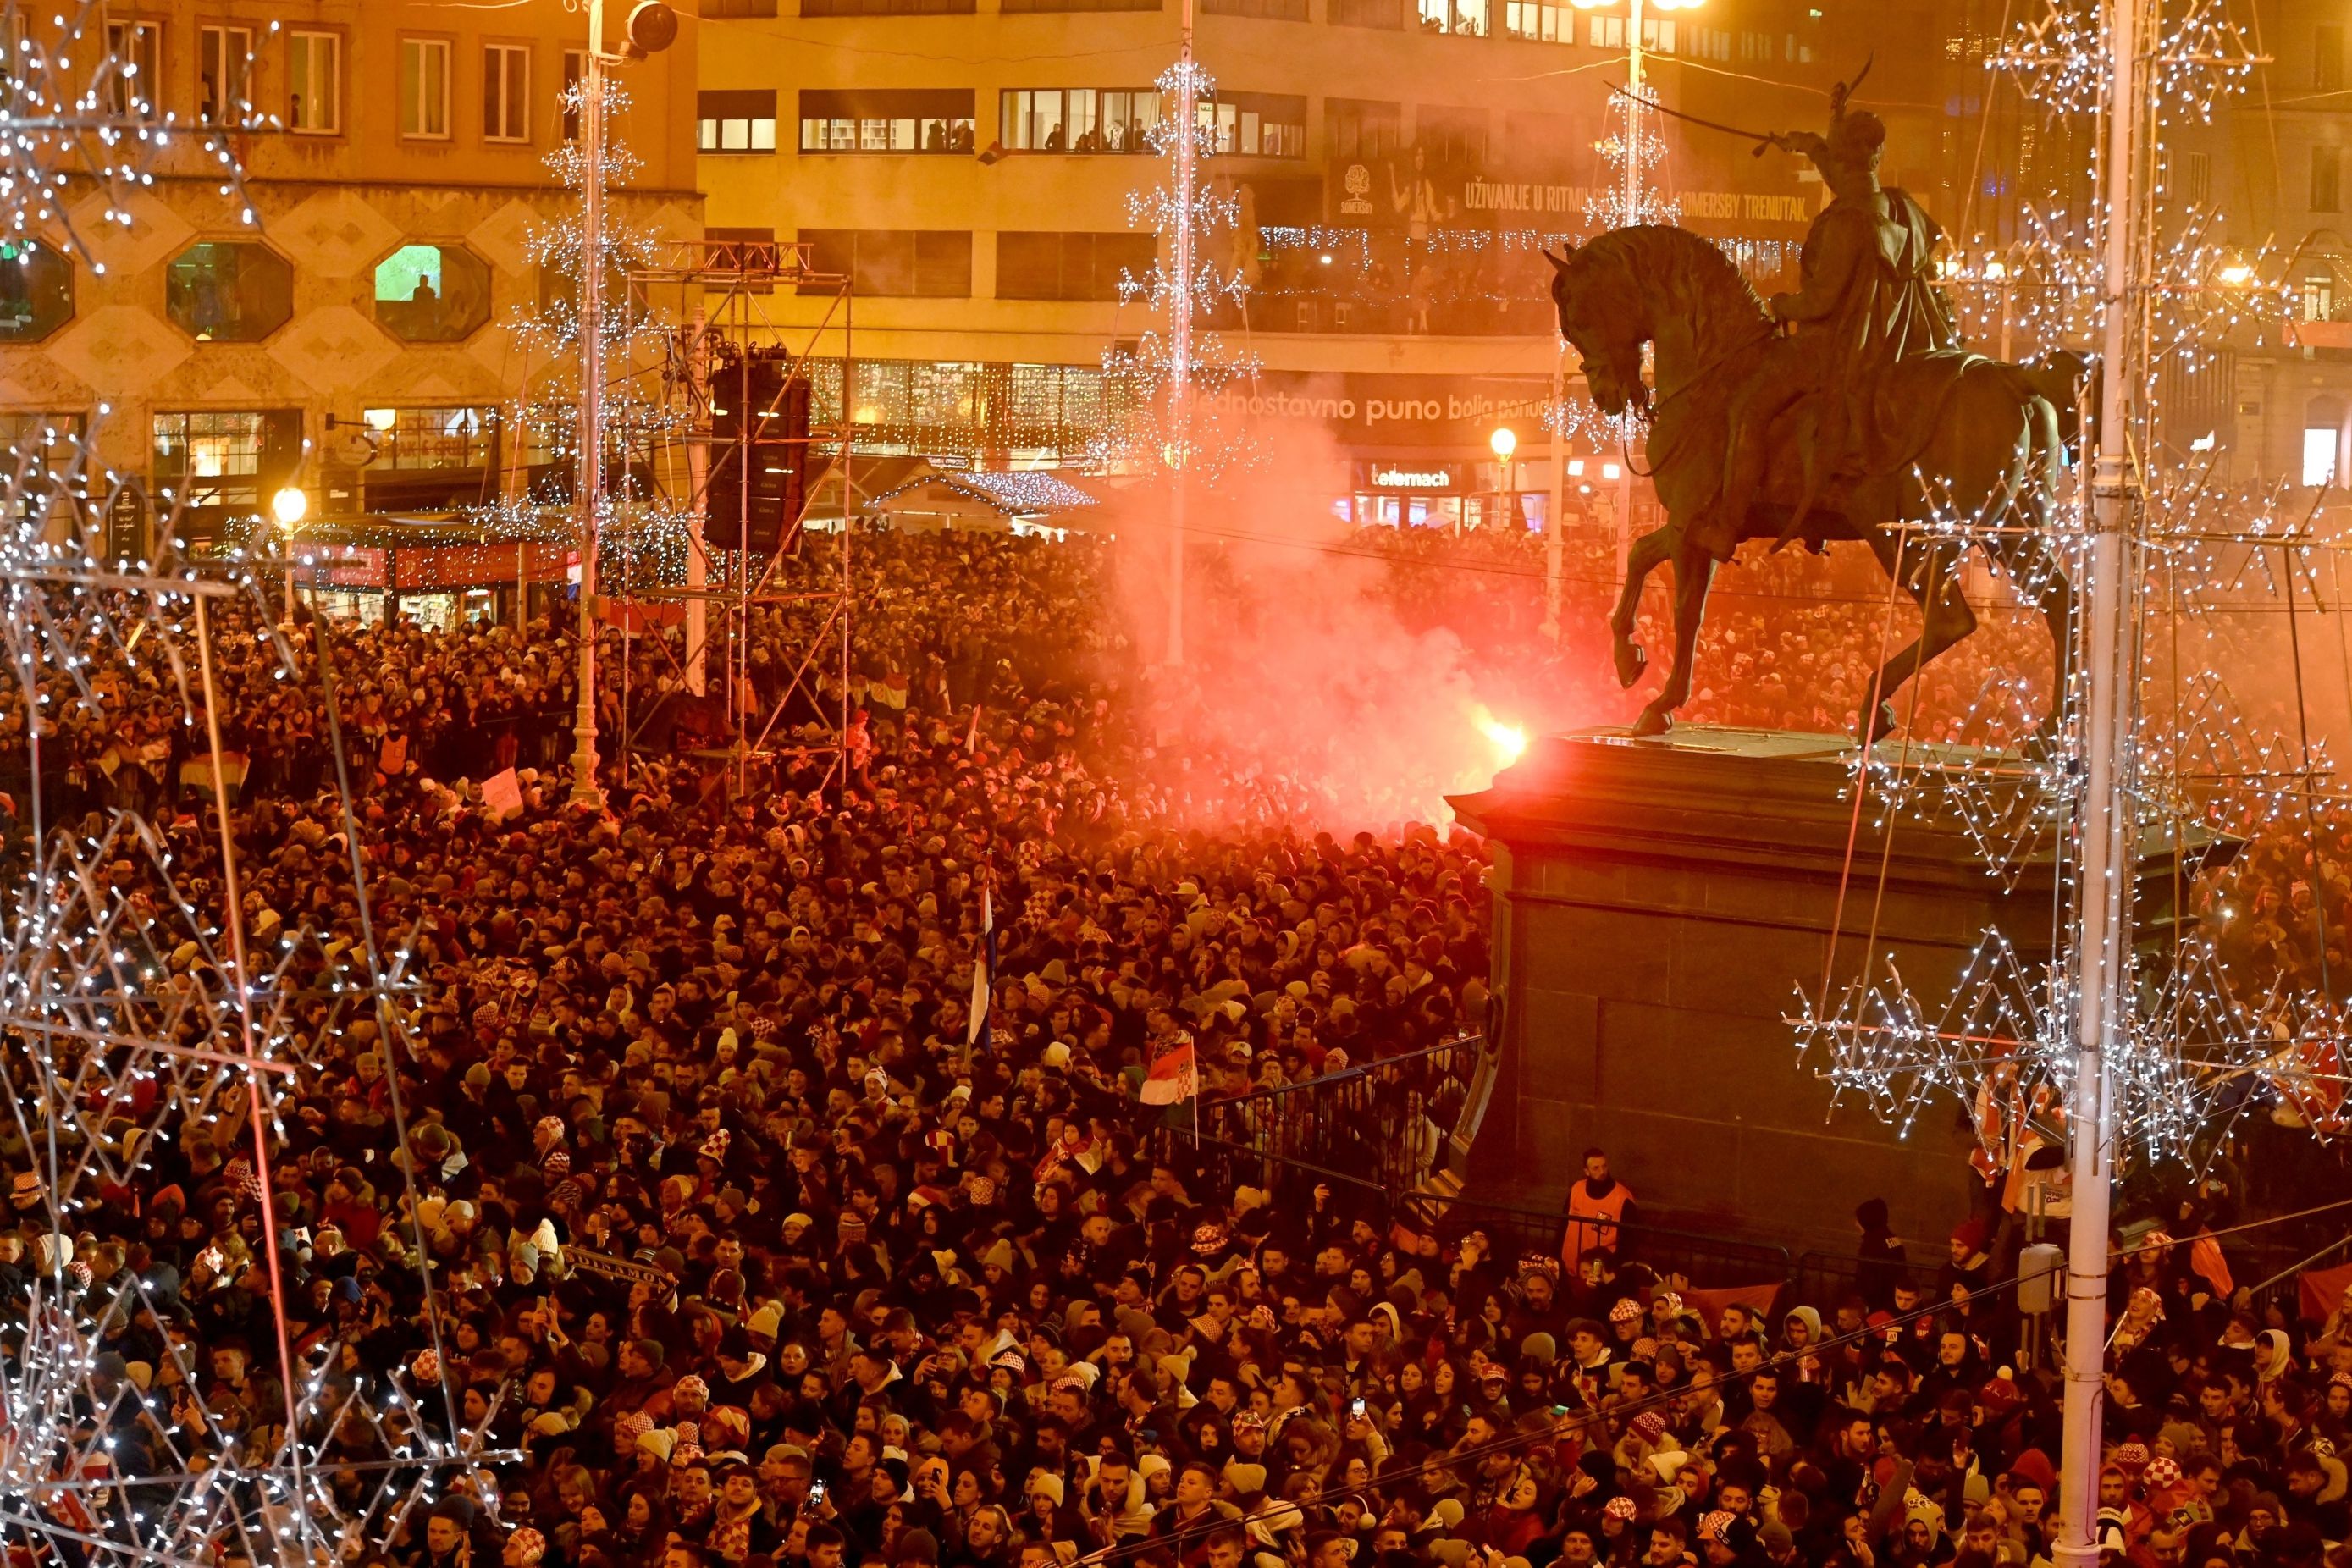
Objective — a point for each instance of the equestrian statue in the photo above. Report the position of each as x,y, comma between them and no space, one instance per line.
1847,410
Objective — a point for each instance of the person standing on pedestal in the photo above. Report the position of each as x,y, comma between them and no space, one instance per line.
1597,1206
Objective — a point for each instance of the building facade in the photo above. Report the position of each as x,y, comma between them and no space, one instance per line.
971,165
357,338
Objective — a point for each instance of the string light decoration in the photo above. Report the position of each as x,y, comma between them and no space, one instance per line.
2201,1041
80,117
1629,154
643,535
142,1006
1163,409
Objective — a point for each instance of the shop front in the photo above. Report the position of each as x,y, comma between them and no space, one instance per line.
1424,450
432,577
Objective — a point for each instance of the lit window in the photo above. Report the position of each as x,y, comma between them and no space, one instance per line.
223,60
1465,18
36,291
314,87
424,88
883,119
432,293
135,54
225,461
2319,445
228,292
1542,20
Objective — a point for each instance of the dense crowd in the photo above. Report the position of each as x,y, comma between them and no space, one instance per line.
750,1246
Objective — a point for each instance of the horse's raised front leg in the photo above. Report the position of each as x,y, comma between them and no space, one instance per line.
1944,619
1694,570
1648,553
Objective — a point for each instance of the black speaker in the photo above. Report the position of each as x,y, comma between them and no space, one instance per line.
759,425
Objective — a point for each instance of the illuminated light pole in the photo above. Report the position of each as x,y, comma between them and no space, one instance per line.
1633,202
288,507
652,27
589,483
1503,443
2103,823
1180,333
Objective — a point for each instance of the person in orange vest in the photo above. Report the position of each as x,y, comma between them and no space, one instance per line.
1597,1206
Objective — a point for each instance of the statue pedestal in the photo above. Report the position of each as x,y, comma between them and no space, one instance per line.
1657,905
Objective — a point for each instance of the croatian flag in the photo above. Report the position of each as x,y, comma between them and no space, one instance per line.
984,968
1173,1077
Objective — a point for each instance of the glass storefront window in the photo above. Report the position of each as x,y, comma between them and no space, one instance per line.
36,291
230,291
224,461
432,293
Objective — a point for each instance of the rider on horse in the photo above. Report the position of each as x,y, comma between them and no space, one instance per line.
1866,298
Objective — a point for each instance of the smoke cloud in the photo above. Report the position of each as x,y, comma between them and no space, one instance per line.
1328,684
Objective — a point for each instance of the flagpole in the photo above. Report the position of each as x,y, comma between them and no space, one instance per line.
1196,1101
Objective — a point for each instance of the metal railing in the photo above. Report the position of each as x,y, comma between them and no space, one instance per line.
1709,1262
1385,1124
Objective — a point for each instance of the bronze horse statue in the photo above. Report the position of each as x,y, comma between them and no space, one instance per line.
1993,452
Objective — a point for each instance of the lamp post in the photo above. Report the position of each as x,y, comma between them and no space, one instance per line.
288,505
1503,443
1180,331
589,483
1632,194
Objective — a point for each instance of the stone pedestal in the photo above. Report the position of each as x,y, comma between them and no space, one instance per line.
1657,905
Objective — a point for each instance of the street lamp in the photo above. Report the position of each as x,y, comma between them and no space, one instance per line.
1630,197
1503,443
652,27
289,506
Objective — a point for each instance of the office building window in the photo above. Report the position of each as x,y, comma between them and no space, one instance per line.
432,293
886,119
887,8
2323,439
36,291
575,67
2327,179
1455,136
506,92
224,59
1367,13
1466,18
1540,20
738,120
1033,265
225,461
1013,7
231,291
2315,301
923,263
1361,131
432,459
40,452
136,84
2327,57
1078,119
1266,10
314,83
424,88
1257,124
